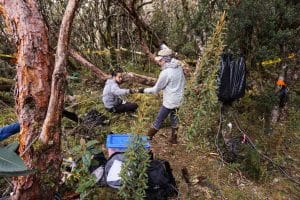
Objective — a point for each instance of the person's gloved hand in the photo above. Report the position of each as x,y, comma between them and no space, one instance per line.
141,90
132,91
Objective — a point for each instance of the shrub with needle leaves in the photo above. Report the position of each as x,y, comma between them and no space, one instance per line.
200,107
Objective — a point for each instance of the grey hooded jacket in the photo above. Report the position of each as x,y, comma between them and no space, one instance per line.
171,81
111,94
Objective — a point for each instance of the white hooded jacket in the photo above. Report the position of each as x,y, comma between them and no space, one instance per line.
171,81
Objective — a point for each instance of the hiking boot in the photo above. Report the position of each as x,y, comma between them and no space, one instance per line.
151,132
173,138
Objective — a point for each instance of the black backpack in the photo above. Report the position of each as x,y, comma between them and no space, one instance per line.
161,182
231,79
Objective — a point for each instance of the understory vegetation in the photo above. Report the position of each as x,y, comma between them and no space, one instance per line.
263,158
248,177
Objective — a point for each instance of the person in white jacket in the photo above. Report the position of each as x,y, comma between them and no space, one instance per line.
171,82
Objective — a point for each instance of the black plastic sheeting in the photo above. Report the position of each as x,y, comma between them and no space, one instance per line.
231,79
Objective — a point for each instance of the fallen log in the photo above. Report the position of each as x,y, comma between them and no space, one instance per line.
138,78
79,58
129,76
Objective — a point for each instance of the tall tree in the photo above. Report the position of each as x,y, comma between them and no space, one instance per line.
33,89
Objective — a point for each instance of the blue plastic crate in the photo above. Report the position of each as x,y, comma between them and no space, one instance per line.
121,141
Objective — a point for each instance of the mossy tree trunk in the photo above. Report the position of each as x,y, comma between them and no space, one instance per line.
32,94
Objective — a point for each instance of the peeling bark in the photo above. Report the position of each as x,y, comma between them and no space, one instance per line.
32,95
33,89
277,112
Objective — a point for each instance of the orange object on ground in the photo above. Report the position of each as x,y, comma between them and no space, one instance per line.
280,82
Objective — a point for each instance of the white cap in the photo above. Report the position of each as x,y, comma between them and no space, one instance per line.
165,52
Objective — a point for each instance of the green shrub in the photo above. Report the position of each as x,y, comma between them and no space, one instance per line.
252,164
133,172
80,175
201,103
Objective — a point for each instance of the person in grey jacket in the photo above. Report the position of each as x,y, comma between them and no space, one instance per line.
171,81
112,93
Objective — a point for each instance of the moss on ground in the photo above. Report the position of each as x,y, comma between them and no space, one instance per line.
210,178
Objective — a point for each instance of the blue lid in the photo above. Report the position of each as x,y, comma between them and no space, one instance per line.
122,141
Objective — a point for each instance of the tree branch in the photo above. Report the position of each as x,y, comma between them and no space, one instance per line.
53,117
79,58
143,4
142,28
130,76
138,78
130,9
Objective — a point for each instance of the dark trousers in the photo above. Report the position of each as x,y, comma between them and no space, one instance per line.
163,114
125,107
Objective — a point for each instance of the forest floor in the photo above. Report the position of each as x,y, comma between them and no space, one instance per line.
209,177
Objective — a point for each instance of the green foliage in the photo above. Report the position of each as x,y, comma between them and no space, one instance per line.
9,117
265,101
10,163
259,28
201,97
133,172
252,165
167,24
6,46
294,124
6,99
80,175
264,29
205,14
194,20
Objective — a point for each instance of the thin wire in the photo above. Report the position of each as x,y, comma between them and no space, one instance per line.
217,144
263,155
178,193
218,134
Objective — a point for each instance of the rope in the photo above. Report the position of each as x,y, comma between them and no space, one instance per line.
218,134
250,142
263,155
218,148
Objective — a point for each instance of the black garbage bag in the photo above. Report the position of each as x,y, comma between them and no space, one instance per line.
231,79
